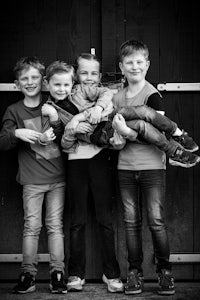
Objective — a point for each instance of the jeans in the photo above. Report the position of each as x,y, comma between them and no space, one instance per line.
33,197
93,175
149,124
151,184
146,122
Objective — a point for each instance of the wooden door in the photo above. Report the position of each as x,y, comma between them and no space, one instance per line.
63,29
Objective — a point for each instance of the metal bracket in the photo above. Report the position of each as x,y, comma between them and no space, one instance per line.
18,258
183,258
191,86
11,87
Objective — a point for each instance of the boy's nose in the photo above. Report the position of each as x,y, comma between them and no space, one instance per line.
30,80
89,76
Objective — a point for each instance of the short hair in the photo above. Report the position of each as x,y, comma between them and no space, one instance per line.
131,46
87,56
24,63
59,67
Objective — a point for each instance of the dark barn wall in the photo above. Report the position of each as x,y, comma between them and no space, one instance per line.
61,30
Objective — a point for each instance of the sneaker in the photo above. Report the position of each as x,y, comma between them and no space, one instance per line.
166,283
26,284
135,282
184,158
57,284
115,285
75,284
186,141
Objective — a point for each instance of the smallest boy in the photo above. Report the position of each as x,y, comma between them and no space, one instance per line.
40,172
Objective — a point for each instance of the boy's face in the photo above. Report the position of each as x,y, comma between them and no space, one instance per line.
30,82
88,71
134,67
60,85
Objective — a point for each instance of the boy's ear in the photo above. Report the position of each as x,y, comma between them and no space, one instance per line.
16,82
121,68
45,83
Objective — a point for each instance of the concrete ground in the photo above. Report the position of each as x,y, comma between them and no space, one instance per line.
184,291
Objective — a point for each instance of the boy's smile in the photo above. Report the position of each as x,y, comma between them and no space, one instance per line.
134,67
60,85
29,82
88,72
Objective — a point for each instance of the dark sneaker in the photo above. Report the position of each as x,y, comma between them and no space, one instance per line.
183,158
135,282
75,284
57,284
114,285
26,284
186,141
166,283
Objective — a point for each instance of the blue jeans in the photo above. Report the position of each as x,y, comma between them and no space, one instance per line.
147,124
150,125
33,197
84,176
151,184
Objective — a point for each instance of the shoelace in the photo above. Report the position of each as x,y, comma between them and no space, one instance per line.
166,280
133,279
25,280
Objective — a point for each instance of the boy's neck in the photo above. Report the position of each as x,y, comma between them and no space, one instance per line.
135,88
32,101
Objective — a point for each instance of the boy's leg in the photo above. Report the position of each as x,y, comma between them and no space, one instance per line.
153,136
55,198
33,196
150,115
103,188
78,191
129,188
154,193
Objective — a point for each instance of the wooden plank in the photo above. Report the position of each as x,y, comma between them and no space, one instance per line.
40,29
108,38
179,107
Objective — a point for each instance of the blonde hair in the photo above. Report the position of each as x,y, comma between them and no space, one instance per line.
58,67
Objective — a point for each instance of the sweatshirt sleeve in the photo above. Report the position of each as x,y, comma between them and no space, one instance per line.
8,139
69,143
105,97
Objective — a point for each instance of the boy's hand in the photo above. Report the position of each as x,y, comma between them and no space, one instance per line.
117,141
119,124
70,128
95,114
47,136
84,127
50,111
27,135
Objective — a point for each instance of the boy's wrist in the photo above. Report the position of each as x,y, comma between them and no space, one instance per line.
53,117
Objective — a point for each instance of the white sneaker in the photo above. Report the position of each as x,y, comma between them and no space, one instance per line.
75,284
115,285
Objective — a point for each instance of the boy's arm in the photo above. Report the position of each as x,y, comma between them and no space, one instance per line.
10,134
69,141
8,140
105,96
70,128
